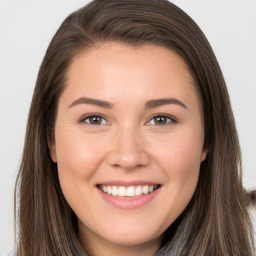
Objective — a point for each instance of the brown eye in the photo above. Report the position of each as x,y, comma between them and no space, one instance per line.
161,120
94,120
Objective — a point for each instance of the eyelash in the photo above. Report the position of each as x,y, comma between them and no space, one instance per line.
171,119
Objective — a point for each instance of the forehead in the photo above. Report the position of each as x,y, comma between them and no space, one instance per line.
138,71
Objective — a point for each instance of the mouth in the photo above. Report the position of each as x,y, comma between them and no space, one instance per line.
128,192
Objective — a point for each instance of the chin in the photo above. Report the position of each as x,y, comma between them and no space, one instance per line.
132,236
130,240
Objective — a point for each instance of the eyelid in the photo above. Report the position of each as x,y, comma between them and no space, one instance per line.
83,118
173,119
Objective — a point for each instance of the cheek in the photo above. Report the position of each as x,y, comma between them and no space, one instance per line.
78,158
77,154
180,154
180,159
182,168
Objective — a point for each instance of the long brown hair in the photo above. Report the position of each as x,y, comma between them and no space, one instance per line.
216,221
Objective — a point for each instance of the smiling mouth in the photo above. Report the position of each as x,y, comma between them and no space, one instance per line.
129,191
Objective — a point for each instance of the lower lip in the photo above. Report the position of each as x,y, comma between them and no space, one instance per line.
129,203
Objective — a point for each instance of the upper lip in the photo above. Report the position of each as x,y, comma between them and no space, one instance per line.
127,183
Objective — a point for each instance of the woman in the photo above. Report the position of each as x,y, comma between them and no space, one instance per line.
131,146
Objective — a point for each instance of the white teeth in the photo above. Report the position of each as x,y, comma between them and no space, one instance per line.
138,191
145,189
122,191
130,191
114,191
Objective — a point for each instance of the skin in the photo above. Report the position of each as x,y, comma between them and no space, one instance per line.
128,145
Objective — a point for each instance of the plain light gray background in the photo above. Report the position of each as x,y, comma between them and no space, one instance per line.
26,28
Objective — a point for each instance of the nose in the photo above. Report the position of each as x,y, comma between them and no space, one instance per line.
127,150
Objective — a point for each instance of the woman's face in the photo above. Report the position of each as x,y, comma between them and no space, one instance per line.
128,143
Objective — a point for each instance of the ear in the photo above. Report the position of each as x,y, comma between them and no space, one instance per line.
51,146
204,154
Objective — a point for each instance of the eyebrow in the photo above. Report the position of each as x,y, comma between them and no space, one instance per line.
149,104
165,101
91,101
